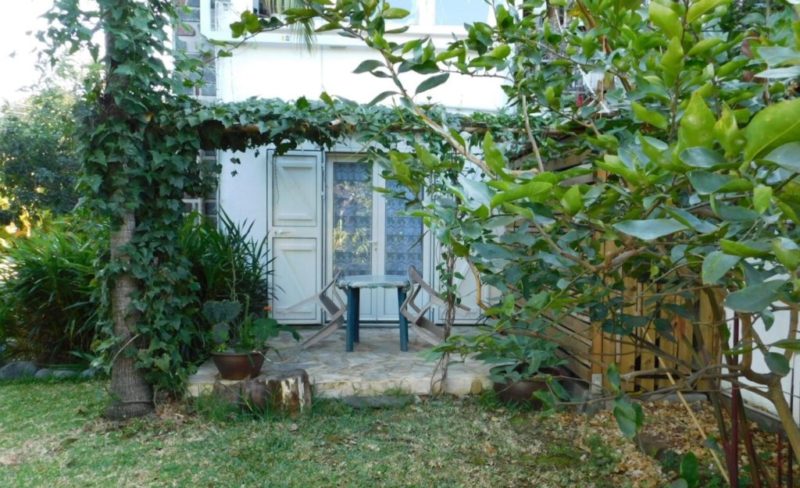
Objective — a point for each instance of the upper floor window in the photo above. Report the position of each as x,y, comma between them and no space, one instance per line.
272,7
460,12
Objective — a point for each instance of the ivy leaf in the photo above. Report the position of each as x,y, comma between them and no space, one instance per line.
772,127
432,82
716,264
777,363
647,230
755,298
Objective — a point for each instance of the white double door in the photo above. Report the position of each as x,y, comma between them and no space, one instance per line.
325,216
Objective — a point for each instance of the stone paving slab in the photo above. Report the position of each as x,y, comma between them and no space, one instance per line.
375,367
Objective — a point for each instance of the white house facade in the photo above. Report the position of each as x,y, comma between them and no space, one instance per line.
317,207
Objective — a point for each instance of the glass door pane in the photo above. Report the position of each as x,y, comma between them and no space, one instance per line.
403,247
352,218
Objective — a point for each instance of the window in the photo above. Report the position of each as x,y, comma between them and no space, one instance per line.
410,5
460,12
272,7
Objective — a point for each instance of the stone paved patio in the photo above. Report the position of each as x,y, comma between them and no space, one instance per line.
376,366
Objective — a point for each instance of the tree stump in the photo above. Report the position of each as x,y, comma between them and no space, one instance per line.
280,391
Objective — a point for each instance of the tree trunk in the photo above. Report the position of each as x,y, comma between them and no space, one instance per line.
131,395
286,392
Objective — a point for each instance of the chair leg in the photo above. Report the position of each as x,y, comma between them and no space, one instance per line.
401,298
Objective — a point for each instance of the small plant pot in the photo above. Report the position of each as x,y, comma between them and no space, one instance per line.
238,366
521,392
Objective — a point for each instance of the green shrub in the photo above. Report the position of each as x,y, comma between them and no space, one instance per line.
47,290
227,262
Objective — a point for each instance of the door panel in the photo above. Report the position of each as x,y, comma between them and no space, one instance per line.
296,234
295,271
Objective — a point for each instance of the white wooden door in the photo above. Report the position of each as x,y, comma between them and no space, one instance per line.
296,219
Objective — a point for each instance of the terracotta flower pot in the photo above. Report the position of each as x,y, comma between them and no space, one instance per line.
238,366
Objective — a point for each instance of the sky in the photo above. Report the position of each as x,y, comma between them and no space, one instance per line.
18,59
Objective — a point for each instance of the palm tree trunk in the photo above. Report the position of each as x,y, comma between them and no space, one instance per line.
132,396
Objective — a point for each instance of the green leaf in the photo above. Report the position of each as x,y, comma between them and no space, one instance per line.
787,252
727,132
702,157
648,230
500,52
777,363
672,61
772,127
432,82
381,96
629,415
716,264
572,201
690,470
762,197
745,249
706,183
612,375
665,19
699,7
755,298
697,123
703,46
788,344
395,13
367,65
786,156
648,116
494,157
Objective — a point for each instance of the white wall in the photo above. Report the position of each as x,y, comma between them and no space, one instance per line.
778,331
278,65
244,196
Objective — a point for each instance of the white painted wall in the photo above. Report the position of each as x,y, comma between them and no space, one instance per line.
778,331
244,196
278,65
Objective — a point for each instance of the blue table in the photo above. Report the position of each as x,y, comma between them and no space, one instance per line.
352,286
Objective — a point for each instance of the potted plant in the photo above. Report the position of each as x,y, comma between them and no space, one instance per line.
525,366
240,338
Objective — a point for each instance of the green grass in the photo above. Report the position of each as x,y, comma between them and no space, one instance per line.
51,435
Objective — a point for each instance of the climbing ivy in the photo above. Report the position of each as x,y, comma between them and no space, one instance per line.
139,139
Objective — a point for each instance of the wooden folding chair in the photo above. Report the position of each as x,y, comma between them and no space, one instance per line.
417,315
333,305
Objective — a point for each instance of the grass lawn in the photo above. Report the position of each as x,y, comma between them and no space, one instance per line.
51,435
